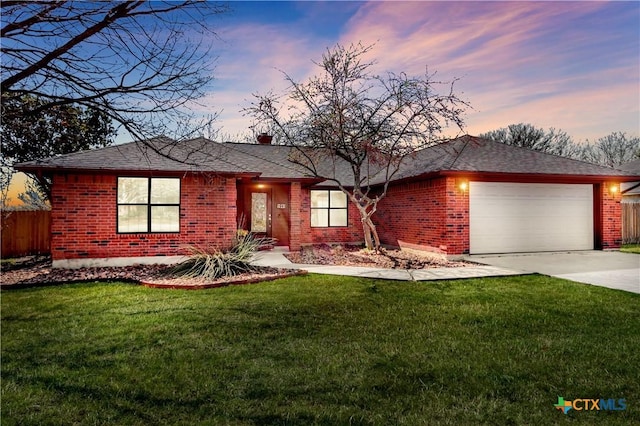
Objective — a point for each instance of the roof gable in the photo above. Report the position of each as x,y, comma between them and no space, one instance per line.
470,154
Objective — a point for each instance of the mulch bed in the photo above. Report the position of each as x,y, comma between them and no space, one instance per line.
351,255
37,271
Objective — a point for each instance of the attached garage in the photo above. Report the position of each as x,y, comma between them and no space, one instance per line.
506,217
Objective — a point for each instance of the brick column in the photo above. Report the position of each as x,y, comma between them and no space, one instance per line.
295,229
611,216
457,217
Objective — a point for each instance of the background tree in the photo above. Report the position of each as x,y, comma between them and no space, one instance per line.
136,62
6,173
346,114
612,150
33,198
553,141
56,130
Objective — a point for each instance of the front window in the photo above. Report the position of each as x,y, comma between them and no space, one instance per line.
328,208
148,204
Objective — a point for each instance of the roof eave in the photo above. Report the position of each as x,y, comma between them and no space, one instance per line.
538,177
49,170
302,180
524,177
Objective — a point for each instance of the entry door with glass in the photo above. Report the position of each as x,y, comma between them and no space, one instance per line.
261,212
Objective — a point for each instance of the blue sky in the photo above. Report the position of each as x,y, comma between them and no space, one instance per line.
573,66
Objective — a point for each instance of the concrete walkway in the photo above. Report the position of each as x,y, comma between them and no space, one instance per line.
611,269
275,258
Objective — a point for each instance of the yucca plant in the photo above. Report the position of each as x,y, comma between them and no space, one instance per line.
211,262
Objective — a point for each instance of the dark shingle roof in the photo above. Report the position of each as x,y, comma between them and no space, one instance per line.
269,160
159,154
465,154
472,154
195,155
631,166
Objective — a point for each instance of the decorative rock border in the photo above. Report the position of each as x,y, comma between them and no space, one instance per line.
179,284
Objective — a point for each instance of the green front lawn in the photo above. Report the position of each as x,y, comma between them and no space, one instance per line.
631,248
320,350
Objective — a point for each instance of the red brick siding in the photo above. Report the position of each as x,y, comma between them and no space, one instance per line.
431,213
348,234
611,216
84,218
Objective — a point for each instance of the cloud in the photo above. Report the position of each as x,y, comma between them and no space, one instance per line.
584,113
568,65
253,58
557,65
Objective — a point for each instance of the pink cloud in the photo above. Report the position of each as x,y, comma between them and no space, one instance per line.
507,75
513,63
586,114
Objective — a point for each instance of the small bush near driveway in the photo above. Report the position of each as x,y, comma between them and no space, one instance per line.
320,350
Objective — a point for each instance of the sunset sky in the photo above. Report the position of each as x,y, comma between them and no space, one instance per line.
573,66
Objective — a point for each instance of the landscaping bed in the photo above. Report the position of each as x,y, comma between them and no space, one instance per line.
37,271
353,255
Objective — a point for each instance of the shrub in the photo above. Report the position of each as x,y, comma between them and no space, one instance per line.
210,262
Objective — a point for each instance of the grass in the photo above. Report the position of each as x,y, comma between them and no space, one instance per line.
320,350
630,248
7,262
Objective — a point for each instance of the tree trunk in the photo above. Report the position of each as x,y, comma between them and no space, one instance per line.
374,232
371,239
368,242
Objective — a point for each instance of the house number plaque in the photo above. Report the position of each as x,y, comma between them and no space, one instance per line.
281,206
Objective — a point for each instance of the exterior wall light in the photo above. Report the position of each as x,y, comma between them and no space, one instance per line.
614,188
463,185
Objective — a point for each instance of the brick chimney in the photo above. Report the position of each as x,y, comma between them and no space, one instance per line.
264,139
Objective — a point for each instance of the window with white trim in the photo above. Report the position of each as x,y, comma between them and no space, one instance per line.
148,205
328,208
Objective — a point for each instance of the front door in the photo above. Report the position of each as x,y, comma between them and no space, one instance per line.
260,216
264,210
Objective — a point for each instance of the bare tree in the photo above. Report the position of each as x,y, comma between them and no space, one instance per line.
138,62
553,141
612,150
347,116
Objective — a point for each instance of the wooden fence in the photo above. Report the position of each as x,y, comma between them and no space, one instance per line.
630,222
26,232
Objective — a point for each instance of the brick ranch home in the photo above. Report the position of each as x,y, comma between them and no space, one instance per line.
136,203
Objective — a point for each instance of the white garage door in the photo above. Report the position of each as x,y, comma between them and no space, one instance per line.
529,217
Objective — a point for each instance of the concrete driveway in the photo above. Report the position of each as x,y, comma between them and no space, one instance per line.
610,269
